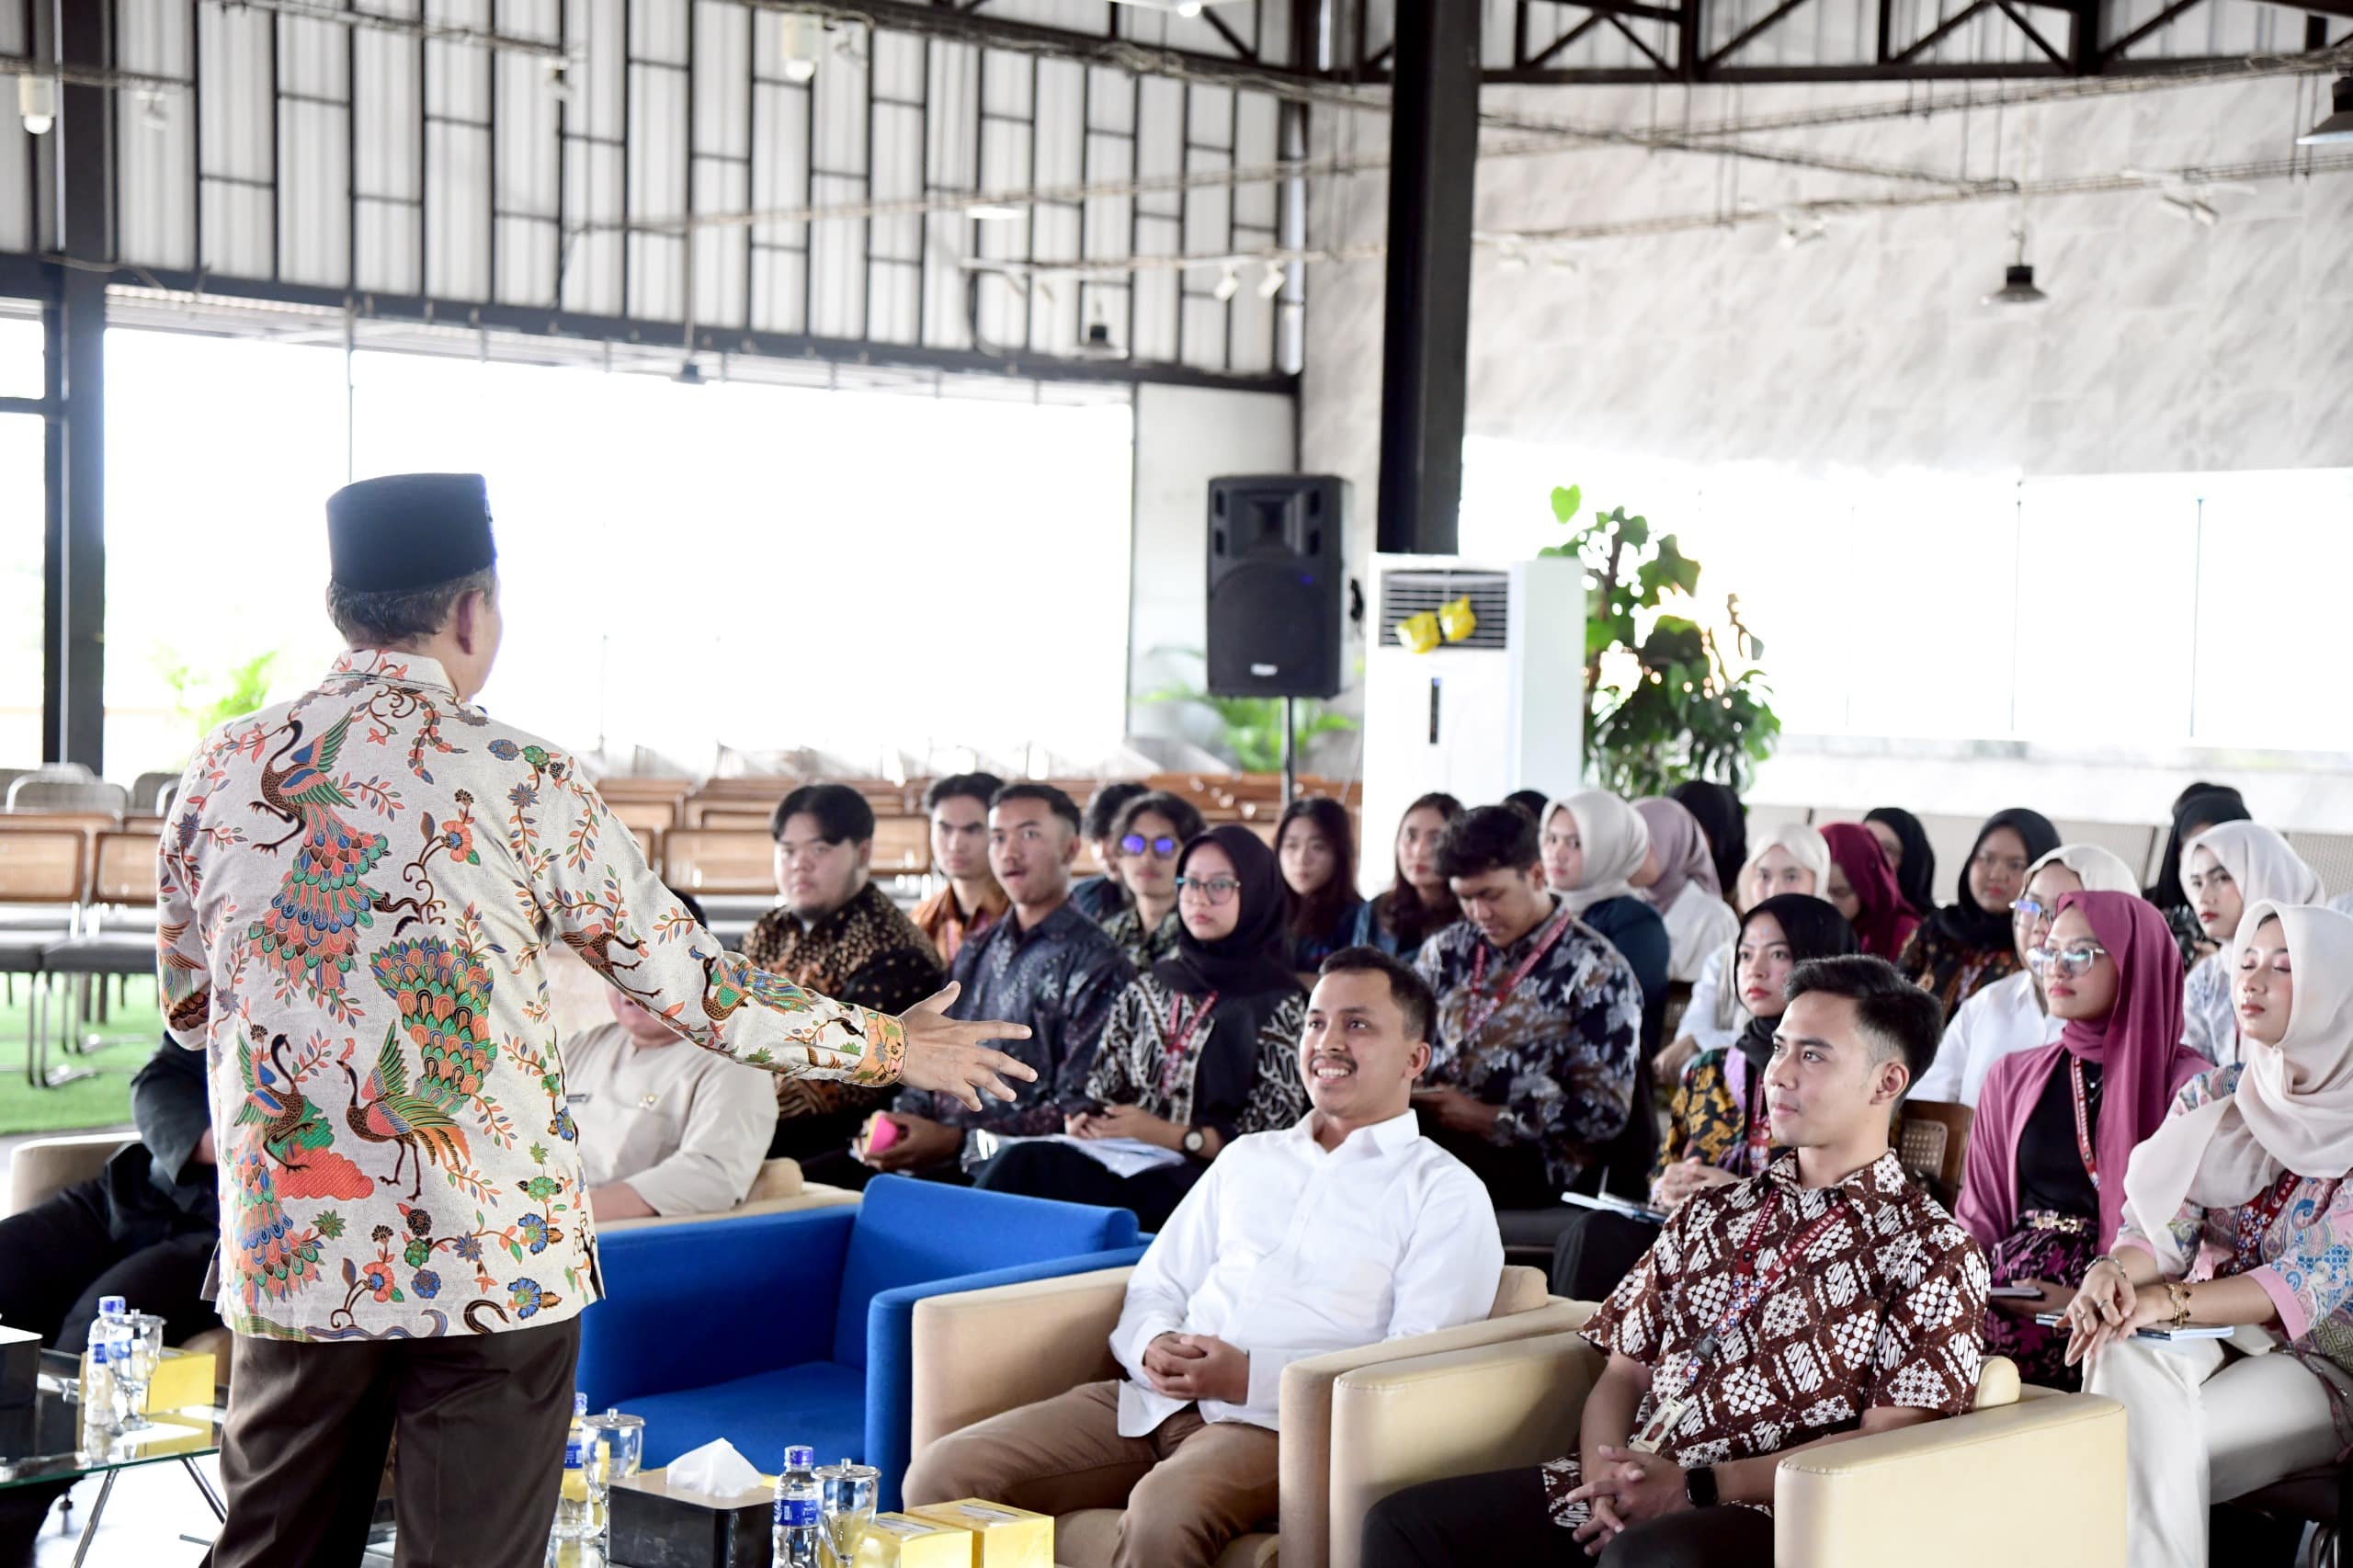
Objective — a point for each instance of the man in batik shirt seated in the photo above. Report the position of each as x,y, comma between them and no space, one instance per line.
1840,1299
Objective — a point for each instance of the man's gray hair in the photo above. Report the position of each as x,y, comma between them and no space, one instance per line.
404,618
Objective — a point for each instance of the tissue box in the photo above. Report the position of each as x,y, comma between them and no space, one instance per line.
183,1378
654,1527
900,1540
1002,1537
20,1366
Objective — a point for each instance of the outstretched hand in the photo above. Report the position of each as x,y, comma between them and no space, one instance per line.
948,1056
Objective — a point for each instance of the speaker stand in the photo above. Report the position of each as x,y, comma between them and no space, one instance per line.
1290,752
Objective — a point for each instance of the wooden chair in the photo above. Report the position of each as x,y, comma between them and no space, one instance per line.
1932,1143
44,871
38,794
642,816
720,861
902,846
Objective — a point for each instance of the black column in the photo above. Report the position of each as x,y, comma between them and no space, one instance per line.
1433,153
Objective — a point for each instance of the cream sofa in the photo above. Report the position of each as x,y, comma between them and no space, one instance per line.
980,1353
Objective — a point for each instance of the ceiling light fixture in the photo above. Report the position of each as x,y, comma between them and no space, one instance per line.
2017,283
37,102
995,212
2338,126
800,39
1272,283
1796,232
152,112
1229,283
2192,208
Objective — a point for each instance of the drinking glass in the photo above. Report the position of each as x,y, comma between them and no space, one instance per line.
847,1494
138,1369
620,1443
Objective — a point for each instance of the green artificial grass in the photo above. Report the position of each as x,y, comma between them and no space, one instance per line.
132,1031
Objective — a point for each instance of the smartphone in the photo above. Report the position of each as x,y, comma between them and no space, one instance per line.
2015,1293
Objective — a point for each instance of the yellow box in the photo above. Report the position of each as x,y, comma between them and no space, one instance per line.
1002,1537
184,1380
898,1540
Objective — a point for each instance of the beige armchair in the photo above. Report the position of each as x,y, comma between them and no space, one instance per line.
778,1189
2049,1467
41,1168
981,1353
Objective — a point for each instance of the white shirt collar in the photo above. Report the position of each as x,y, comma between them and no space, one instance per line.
1385,1137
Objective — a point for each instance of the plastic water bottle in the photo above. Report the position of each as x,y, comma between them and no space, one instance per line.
103,1402
575,1513
799,1526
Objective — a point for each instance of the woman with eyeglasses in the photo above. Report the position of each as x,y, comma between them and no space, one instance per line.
2043,1186
1792,858
1149,832
1199,1049
2244,1186
2009,1015
1593,843
1316,846
1965,946
1863,886
2224,870
1418,902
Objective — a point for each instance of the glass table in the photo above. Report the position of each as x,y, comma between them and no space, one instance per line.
43,1451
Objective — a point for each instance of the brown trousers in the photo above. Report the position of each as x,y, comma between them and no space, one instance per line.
1189,1489
481,1419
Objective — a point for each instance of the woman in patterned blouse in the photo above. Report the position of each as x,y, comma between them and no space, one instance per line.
1418,902
1965,946
2248,1173
1201,1049
1150,831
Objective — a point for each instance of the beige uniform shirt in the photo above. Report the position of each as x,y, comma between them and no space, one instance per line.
686,1128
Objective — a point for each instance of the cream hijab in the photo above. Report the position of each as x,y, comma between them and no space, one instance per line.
2293,1107
2102,870
2259,861
1616,841
1809,849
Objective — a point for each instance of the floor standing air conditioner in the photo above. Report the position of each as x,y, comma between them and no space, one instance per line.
1496,711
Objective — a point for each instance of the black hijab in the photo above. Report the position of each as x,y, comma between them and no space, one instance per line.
2200,805
1916,879
1963,922
1815,929
1723,820
1249,961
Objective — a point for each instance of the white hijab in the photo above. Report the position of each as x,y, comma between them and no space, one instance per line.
2293,1107
2100,870
1617,840
2259,861
1810,850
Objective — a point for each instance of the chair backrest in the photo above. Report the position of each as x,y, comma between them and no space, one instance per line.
147,791
902,846
909,1233
38,794
1932,1140
1520,1290
723,860
122,868
42,866
636,815
735,815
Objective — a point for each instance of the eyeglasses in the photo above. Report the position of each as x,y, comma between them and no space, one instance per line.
1217,890
2029,909
2065,962
1136,844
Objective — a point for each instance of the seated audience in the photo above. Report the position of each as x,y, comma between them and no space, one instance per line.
1965,946
971,902
1103,895
2053,1118
1198,1051
1717,1131
1793,860
1317,848
1345,1229
1045,966
1678,879
2237,1212
840,936
2195,809
2012,1015
1151,828
1863,886
1724,819
1418,902
145,1227
1536,1058
1593,844
1828,1297
2224,870
664,1127
1908,851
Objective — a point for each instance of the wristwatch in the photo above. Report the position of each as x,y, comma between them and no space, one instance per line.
1196,1141
1699,1486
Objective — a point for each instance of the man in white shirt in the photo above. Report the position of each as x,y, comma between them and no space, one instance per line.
1344,1229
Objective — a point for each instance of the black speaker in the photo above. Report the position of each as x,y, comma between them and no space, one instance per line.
1276,584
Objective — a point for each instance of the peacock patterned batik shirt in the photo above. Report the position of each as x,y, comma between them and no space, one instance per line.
358,891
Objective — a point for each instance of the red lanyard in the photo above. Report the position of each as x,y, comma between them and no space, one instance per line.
1751,1287
1483,1006
2255,1216
2083,1119
1172,1053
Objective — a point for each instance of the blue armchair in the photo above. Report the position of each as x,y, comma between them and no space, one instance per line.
796,1328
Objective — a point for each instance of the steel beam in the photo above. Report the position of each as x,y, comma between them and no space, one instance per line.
1434,147
74,562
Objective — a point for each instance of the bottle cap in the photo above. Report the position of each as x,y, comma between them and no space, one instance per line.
800,1458
111,1307
579,1404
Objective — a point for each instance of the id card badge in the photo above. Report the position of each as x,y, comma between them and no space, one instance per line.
1665,1419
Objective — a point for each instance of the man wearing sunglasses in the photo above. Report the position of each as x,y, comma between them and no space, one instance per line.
1151,831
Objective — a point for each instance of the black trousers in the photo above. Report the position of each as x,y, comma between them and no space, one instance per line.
1596,1251
1514,1172
1057,1170
58,1256
481,1421
1476,1520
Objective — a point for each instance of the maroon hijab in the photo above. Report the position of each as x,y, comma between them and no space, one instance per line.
1885,922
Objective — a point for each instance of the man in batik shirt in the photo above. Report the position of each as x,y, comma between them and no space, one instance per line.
1828,1297
1540,1020
358,890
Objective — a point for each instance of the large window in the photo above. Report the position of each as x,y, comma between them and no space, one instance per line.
21,466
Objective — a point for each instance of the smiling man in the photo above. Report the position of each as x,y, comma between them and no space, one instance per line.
1827,1298
1346,1229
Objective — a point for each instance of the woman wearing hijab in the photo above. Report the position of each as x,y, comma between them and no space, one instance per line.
1593,843
1862,884
1418,902
1793,858
2053,1118
2195,810
1198,1051
2244,1186
1724,819
1317,848
1965,946
2224,870
1680,880
2010,1016
1909,852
